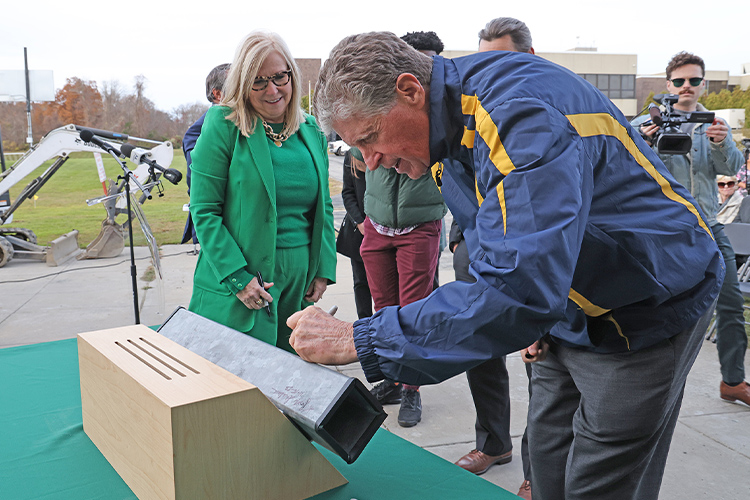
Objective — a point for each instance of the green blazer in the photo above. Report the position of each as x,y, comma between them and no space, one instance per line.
233,207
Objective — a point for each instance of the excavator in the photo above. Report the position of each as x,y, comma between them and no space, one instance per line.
57,145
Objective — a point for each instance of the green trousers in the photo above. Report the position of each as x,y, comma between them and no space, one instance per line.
288,291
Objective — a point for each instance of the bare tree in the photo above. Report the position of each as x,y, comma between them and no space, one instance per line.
13,125
182,117
142,107
112,106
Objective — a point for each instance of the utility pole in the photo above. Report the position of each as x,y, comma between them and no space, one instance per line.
30,138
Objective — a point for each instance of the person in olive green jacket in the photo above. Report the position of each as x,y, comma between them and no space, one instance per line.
260,200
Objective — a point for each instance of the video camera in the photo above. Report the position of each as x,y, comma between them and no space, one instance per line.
669,139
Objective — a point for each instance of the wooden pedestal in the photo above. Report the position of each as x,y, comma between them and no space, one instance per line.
175,426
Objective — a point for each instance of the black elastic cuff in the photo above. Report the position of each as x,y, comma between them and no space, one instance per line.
366,352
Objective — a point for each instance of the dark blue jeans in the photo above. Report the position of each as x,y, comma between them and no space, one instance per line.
731,340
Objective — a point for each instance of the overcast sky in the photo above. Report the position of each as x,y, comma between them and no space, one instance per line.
174,46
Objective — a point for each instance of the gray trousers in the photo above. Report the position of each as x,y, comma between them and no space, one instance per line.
731,340
490,389
600,425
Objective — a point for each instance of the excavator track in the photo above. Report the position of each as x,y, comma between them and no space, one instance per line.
19,232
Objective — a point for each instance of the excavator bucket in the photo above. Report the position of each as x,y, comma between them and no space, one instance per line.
109,243
63,249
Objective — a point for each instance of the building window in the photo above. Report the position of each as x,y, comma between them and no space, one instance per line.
613,86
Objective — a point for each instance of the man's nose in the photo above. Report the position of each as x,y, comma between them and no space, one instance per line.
372,159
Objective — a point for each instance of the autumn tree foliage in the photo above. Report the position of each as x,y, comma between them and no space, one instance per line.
79,102
109,107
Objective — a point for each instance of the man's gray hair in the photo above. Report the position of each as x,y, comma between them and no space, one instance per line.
518,31
359,77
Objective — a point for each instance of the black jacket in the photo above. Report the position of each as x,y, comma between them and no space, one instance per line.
353,192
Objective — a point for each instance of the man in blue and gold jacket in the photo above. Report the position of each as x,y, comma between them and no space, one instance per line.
616,261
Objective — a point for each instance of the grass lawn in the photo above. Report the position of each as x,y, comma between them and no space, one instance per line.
61,204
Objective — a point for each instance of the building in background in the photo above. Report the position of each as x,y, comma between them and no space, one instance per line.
309,69
613,74
616,75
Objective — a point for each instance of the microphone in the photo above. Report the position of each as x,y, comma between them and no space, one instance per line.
106,134
88,136
139,155
655,113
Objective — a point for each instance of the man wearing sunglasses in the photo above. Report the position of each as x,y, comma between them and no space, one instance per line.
713,153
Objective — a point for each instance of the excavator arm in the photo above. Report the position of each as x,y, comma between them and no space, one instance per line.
57,145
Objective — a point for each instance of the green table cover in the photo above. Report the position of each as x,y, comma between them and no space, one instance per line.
45,455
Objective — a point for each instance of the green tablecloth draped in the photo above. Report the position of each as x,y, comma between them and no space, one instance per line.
44,453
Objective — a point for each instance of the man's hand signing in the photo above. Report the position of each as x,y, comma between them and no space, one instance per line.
320,338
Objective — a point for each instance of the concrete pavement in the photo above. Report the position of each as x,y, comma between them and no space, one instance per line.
710,456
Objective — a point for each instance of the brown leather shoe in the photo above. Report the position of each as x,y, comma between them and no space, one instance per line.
525,490
740,391
477,462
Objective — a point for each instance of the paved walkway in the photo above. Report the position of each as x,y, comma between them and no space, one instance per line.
710,455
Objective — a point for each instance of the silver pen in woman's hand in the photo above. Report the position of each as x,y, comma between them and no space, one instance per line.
263,287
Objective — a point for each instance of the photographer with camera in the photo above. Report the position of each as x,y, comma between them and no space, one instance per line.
711,153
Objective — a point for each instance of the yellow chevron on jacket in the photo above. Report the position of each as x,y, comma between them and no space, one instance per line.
487,129
588,307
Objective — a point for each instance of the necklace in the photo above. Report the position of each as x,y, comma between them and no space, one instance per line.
276,138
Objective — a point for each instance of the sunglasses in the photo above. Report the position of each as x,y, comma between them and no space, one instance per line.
679,82
729,184
279,79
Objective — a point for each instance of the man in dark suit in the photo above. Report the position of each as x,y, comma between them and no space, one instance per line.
214,84
488,382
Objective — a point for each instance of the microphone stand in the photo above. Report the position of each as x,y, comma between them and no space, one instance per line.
127,176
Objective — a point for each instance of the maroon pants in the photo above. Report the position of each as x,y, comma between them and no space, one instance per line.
400,269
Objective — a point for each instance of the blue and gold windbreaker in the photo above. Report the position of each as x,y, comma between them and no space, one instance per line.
573,224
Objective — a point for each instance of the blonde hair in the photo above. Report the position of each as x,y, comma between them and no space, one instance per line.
250,55
357,165
726,178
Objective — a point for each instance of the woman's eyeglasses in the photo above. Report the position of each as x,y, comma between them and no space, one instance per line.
279,79
679,82
729,184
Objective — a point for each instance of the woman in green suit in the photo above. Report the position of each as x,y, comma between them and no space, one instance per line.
259,198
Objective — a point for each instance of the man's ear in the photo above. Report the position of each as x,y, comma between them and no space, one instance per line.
410,90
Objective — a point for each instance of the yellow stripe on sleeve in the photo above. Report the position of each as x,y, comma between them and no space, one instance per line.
488,132
590,124
469,104
498,155
480,198
501,199
468,138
